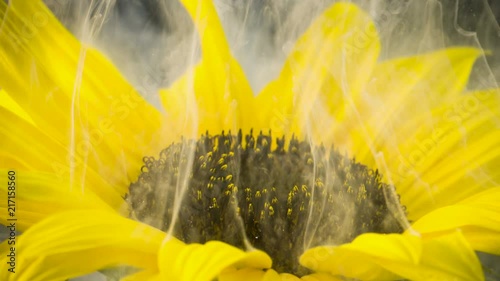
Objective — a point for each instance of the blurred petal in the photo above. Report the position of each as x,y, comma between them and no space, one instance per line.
215,96
458,147
428,150
329,64
76,243
358,259
407,88
44,162
394,256
321,277
435,75
182,262
39,195
477,216
11,105
75,96
448,257
247,274
272,275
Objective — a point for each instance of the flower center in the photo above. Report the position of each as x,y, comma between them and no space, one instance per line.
238,190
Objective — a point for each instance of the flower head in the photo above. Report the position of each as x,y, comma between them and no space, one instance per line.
344,166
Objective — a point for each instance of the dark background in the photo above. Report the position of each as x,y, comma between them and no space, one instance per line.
151,34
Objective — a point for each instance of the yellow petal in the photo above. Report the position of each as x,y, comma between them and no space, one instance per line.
327,66
247,274
182,262
215,95
395,256
38,195
272,275
430,137
430,154
458,148
76,243
10,104
41,160
478,216
407,88
74,95
250,274
320,277
448,257
435,75
357,260
214,47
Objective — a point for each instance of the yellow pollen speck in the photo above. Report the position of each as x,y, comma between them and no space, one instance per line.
257,194
362,193
319,183
214,204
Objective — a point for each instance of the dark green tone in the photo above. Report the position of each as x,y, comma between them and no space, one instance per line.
279,200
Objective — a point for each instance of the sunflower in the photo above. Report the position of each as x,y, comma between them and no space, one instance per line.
343,166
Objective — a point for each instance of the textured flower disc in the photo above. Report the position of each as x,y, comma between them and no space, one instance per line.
283,200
